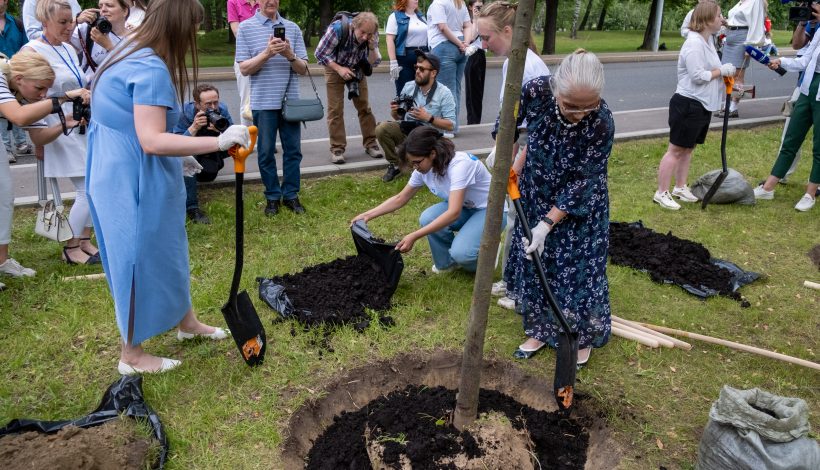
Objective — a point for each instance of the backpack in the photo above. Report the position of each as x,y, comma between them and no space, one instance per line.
342,28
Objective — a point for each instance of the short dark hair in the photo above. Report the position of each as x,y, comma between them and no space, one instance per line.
202,88
421,142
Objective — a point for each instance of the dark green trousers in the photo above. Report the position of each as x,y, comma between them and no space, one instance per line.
806,112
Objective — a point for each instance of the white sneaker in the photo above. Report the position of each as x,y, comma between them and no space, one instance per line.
449,135
805,203
12,157
684,194
761,193
666,201
12,268
506,302
499,289
445,270
2,286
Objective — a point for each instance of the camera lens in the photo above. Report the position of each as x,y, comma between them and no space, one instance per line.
102,24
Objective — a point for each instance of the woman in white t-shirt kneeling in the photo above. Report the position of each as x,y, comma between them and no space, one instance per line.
454,226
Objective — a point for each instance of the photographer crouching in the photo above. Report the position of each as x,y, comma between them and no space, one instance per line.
422,102
205,116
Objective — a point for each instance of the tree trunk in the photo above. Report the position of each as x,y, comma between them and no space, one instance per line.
585,19
550,22
325,14
602,17
576,12
208,22
647,34
471,365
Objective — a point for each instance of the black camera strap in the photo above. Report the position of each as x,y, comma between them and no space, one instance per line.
430,93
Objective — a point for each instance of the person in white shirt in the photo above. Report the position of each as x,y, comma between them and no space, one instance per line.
698,94
448,36
136,14
93,45
744,26
453,227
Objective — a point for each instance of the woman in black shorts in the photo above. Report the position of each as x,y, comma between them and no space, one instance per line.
699,93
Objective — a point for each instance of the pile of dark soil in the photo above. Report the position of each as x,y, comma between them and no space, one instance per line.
114,445
814,255
337,292
667,258
417,416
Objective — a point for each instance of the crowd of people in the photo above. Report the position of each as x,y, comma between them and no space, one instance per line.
137,204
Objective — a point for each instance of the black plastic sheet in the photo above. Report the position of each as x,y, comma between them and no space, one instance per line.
123,397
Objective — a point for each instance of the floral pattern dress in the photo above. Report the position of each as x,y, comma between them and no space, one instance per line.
566,167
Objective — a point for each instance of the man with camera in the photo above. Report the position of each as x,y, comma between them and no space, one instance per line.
204,116
422,102
349,50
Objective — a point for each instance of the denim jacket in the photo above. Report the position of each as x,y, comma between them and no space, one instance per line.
403,22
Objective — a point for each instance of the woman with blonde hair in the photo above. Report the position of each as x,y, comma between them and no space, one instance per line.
135,180
25,77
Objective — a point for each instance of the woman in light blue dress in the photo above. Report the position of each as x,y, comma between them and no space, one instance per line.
135,181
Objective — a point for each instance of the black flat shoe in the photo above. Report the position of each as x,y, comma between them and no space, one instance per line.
272,208
198,216
526,354
93,259
294,205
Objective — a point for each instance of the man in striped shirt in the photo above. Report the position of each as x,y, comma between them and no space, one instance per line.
274,65
348,57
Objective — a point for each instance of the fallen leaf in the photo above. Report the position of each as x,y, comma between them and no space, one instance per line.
659,443
673,369
672,434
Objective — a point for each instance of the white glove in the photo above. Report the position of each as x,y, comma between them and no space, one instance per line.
727,70
470,50
490,161
234,135
394,70
539,234
190,166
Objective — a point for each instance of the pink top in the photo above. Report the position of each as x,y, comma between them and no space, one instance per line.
241,10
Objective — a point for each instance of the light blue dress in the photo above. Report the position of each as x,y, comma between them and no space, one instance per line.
138,200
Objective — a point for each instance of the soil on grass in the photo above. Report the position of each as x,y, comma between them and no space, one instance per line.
814,255
115,445
412,424
668,258
337,292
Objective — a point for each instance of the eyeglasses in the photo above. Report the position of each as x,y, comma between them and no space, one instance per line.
576,110
422,68
417,163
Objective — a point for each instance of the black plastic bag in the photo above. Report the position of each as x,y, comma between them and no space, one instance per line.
123,397
385,254
274,295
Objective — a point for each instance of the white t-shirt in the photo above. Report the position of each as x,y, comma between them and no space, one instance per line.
416,30
749,13
464,171
445,12
135,17
534,67
98,53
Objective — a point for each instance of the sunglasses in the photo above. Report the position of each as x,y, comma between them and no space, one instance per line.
423,68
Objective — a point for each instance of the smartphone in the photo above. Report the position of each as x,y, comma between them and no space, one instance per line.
279,32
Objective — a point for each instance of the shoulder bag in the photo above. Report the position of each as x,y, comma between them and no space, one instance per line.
51,222
301,110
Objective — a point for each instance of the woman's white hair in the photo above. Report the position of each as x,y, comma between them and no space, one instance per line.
579,70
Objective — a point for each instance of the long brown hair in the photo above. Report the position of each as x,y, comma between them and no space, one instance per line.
169,28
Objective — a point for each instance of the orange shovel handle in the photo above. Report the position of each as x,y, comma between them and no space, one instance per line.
239,154
730,83
512,185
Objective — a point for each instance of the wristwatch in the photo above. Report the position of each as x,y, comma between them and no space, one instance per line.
432,118
549,221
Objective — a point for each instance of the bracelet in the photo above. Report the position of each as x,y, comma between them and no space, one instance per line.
292,60
432,118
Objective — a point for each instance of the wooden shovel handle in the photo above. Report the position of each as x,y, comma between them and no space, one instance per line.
239,154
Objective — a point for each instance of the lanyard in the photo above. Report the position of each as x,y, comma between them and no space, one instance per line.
69,63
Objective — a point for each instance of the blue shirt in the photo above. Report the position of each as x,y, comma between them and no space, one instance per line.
441,104
189,113
269,83
11,38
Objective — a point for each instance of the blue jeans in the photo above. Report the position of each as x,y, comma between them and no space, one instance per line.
18,134
269,123
191,198
408,72
452,71
458,243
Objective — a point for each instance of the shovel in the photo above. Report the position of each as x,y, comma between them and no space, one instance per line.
566,357
729,82
239,313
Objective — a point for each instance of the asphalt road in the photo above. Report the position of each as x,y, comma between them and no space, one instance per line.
629,86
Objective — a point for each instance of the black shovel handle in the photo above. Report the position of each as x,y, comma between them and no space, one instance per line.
729,82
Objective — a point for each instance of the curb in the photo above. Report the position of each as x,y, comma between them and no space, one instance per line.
371,165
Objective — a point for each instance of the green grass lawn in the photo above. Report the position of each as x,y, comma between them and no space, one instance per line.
215,51
59,343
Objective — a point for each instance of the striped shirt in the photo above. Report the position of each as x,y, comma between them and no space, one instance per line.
349,54
268,84
5,93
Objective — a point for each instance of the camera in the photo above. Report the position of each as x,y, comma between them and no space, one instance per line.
803,10
219,121
405,103
102,24
80,110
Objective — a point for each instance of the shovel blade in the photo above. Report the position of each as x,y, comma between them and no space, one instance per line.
566,364
246,328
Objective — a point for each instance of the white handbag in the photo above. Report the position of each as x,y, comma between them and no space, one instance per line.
51,220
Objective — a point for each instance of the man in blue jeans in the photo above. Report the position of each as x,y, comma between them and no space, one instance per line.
271,51
201,117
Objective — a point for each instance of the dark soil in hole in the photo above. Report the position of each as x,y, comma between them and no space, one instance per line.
418,414
814,255
115,445
338,292
667,257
